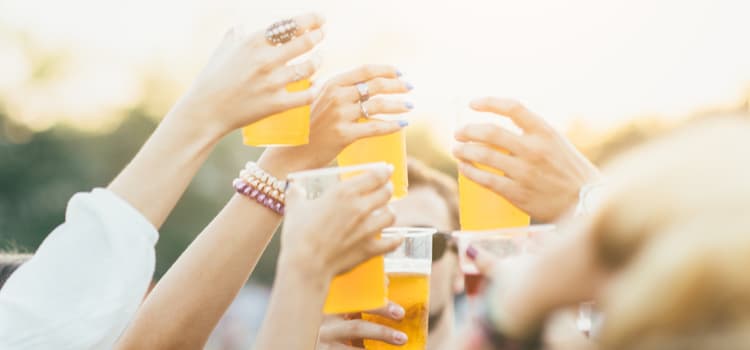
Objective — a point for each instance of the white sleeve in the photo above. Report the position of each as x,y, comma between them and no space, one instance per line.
85,282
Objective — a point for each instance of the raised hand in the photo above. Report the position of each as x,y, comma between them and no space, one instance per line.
543,171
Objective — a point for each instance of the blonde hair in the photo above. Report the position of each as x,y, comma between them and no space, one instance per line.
676,227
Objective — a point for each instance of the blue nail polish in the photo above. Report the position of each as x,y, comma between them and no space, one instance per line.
403,123
398,73
409,105
409,86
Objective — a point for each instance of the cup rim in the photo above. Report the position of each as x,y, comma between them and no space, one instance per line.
334,170
408,231
508,232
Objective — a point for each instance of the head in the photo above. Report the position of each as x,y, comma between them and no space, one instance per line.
675,232
433,202
9,263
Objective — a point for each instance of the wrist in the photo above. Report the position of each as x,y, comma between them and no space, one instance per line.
197,121
306,267
280,162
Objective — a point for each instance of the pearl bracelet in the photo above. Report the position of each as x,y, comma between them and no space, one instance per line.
261,186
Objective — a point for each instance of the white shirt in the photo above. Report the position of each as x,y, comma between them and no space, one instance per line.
85,282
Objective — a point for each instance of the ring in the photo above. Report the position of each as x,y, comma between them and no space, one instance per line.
281,32
363,109
364,92
297,75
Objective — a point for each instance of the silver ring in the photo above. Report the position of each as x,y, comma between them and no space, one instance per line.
364,92
297,75
363,109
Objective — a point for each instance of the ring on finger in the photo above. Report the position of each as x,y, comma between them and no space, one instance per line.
363,109
364,92
297,75
281,32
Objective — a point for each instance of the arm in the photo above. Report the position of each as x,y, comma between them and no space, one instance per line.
90,274
182,311
321,239
544,172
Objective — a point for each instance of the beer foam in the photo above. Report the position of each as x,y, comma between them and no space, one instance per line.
408,266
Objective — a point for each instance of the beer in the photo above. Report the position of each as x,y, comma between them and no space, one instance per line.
482,209
362,288
412,292
389,148
288,128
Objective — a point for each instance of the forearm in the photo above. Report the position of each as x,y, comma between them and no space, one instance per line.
299,291
188,302
160,172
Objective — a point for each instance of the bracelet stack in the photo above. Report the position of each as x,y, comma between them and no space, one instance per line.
261,186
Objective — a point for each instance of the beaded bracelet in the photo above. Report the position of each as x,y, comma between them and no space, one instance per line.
265,189
263,181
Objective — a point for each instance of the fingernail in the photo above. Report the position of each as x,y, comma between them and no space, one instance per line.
409,105
389,186
399,337
409,86
397,311
471,252
390,168
398,73
403,123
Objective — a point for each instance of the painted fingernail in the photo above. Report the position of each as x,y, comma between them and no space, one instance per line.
403,123
399,338
397,311
409,86
409,105
398,73
471,252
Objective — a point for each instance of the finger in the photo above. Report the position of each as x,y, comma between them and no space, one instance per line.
288,100
308,22
364,183
366,250
512,109
297,46
499,184
373,224
482,154
385,106
296,72
365,73
375,127
361,329
491,134
375,203
392,310
379,86
483,260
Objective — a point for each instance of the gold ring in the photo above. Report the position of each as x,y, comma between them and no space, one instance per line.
281,32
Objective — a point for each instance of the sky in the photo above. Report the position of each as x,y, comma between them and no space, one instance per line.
603,62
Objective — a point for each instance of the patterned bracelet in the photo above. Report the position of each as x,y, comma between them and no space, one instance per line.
265,189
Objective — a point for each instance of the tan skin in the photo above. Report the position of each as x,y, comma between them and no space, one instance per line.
421,207
543,171
242,83
186,305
